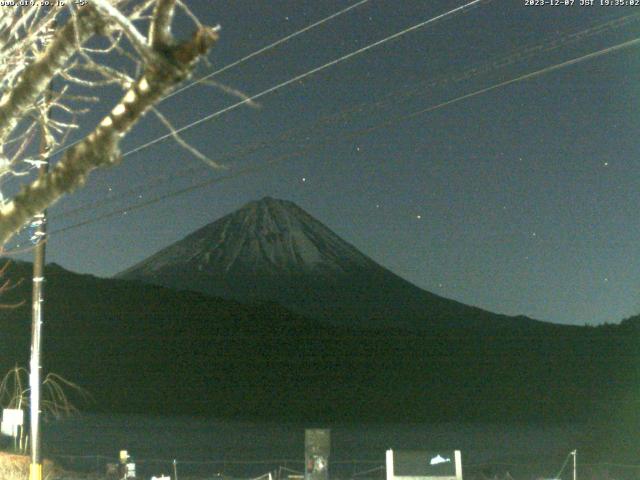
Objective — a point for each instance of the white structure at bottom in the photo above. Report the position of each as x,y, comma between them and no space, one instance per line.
424,465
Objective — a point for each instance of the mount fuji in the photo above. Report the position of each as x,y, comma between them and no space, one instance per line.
271,250
336,336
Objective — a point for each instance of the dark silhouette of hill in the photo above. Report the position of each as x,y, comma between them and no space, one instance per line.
150,349
272,250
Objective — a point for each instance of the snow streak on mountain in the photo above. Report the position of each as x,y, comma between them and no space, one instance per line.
267,237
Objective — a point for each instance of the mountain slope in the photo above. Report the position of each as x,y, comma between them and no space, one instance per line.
142,348
273,250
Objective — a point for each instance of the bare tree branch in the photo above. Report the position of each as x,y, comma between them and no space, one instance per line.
163,64
160,28
136,38
100,148
176,136
37,76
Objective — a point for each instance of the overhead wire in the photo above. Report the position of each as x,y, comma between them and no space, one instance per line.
241,60
352,135
346,111
263,49
512,57
357,133
418,89
527,76
468,74
308,73
518,55
460,9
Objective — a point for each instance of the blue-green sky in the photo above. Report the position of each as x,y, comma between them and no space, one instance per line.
520,200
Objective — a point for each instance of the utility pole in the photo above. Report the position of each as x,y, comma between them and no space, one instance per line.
35,472
35,381
39,222
37,298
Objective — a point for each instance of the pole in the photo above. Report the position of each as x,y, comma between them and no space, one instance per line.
37,299
575,454
36,342
175,469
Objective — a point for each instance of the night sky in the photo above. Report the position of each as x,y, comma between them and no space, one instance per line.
520,200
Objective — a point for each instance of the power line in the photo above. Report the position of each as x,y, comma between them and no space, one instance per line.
355,134
527,76
358,133
159,198
417,89
241,61
457,10
313,71
329,64
263,49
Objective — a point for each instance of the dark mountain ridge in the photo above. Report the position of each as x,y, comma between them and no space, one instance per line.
149,349
272,250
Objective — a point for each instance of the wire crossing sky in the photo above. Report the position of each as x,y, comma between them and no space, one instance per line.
313,71
242,60
490,158
264,49
350,136
518,55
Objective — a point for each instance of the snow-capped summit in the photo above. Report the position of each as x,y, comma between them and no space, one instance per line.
268,236
273,250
